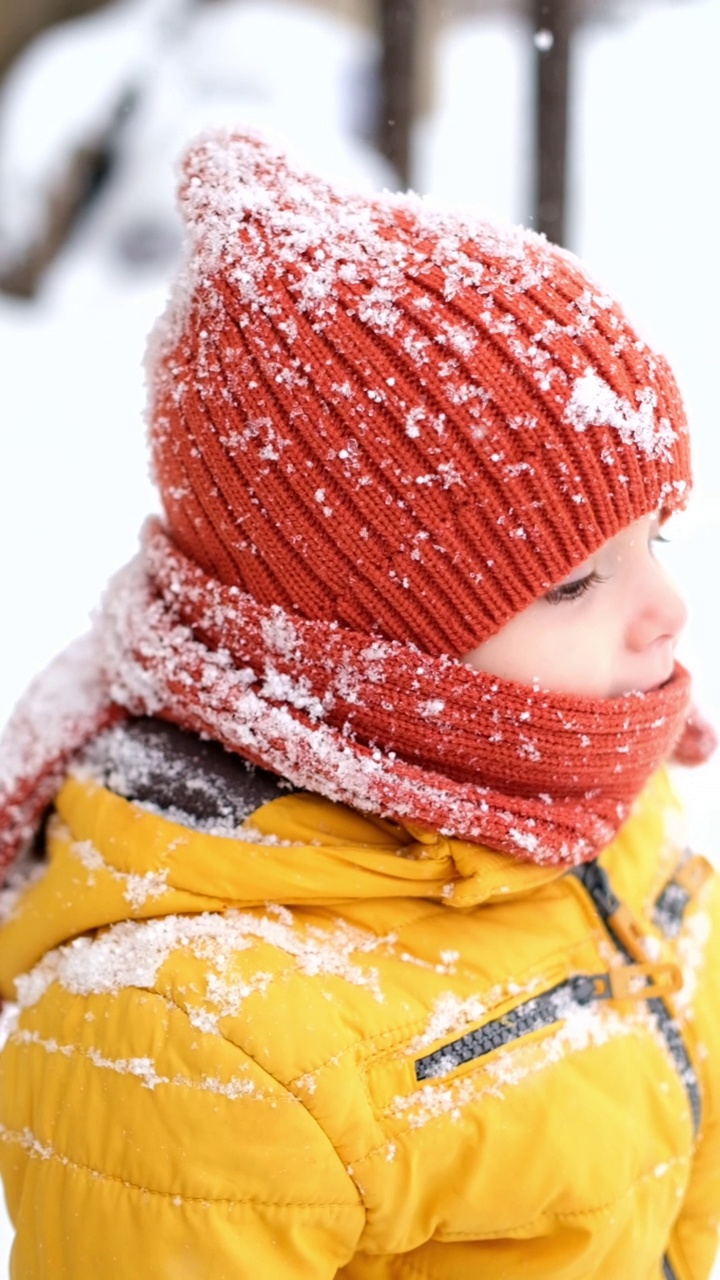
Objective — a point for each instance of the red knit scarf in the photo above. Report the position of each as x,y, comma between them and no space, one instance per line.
375,724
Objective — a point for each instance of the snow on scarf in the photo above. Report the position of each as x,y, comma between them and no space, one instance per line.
375,724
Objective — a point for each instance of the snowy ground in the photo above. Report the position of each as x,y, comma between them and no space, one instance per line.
74,490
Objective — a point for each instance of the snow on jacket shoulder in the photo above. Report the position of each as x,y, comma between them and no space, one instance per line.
326,1045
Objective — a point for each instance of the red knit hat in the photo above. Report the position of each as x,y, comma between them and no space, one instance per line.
373,410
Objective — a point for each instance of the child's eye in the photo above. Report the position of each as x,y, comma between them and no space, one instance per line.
573,590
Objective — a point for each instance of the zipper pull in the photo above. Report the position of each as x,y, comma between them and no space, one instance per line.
618,918
692,874
627,930
627,982
587,987
645,981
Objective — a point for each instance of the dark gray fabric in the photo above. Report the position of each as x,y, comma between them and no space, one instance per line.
153,762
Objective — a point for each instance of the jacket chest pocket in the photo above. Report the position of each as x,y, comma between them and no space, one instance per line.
523,1035
634,995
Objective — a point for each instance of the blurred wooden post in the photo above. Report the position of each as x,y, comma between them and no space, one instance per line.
553,22
398,27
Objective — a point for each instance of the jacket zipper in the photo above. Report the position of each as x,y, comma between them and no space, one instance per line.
625,934
636,979
632,981
532,1015
671,904
648,982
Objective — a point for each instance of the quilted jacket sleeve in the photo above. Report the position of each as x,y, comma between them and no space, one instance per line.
160,1164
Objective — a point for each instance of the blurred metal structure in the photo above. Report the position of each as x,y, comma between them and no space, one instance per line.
21,20
553,22
397,22
585,10
408,32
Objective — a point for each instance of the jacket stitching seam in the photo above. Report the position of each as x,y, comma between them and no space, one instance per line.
288,1091
400,1052
168,1000
398,1035
411,1128
572,1214
66,1162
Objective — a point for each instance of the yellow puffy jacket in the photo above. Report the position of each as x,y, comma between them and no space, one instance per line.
328,1045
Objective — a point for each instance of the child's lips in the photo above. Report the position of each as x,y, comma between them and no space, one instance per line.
659,668
658,684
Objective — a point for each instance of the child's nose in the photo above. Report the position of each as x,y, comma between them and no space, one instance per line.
660,612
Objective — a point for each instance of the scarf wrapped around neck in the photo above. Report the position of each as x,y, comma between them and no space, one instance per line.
375,724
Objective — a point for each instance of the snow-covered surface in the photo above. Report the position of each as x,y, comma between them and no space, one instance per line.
163,70
74,487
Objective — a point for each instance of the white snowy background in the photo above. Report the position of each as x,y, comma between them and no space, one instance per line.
73,476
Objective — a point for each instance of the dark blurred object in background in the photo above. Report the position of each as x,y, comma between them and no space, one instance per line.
22,20
52,206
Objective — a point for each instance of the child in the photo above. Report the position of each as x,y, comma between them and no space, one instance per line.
366,944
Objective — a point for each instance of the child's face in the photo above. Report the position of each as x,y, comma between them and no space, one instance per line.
609,628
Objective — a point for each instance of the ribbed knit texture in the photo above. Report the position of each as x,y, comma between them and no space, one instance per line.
380,429
378,725
379,412
381,726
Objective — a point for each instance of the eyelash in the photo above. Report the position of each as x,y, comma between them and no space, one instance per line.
573,590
